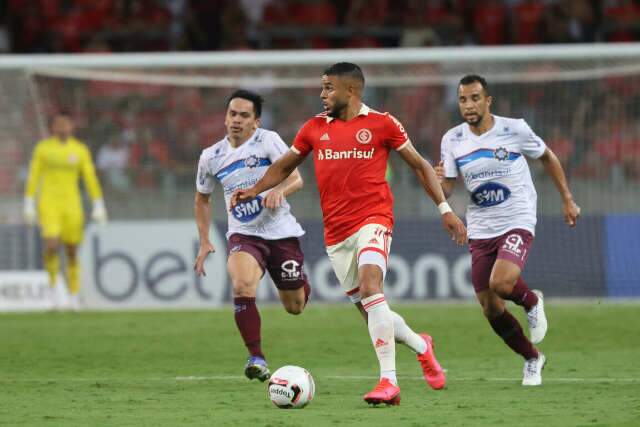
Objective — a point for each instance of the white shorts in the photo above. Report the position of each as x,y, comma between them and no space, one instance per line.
369,245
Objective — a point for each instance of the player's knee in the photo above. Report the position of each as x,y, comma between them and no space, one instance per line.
243,288
294,308
501,286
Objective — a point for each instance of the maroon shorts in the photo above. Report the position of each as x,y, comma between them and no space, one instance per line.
514,246
282,258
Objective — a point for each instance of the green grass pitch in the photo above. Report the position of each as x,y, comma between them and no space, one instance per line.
184,368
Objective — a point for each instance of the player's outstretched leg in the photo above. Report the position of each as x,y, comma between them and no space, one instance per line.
533,304
422,344
248,321
245,269
380,323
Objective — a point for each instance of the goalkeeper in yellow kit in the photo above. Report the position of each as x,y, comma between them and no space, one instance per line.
56,165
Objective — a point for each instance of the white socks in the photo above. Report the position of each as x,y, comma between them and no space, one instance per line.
381,324
406,336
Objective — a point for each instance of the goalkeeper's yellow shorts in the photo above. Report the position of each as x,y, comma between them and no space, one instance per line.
60,222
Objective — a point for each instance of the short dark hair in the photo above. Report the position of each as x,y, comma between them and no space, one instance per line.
256,99
346,69
474,78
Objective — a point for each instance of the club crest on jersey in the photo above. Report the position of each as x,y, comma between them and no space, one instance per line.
73,158
490,194
501,154
248,211
252,161
363,136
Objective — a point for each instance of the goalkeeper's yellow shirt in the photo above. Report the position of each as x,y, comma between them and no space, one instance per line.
54,174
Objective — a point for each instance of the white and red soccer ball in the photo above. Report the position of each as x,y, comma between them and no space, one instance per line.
291,387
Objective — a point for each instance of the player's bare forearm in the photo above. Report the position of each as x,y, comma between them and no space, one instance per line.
276,173
570,210
447,186
554,169
202,209
290,185
425,173
446,183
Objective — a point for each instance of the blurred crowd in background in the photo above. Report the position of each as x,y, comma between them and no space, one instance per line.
149,136
28,26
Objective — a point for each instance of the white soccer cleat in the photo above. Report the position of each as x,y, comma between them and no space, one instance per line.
532,372
537,320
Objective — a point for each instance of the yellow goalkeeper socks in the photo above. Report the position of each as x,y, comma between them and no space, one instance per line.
52,265
73,273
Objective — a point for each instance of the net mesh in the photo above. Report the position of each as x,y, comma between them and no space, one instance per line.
147,126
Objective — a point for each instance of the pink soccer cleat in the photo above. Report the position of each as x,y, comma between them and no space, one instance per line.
431,369
384,392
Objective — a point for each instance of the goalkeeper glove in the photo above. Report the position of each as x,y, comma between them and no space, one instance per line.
29,210
99,212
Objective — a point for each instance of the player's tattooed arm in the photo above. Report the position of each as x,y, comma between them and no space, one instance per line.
276,173
553,167
202,208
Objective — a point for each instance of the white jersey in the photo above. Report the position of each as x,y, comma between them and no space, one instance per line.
241,167
496,175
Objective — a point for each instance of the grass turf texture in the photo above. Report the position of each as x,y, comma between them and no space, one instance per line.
127,369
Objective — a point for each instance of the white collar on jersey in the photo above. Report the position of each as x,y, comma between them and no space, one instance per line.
364,111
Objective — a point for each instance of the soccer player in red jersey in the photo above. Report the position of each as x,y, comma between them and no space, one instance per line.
351,144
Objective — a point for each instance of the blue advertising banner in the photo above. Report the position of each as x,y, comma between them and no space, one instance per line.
623,255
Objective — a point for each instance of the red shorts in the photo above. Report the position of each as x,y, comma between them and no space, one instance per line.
514,246
282,258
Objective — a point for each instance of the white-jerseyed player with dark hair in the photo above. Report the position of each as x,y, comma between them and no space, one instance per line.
489,152
263,234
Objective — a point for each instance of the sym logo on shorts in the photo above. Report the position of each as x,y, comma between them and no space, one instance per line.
290,270
247,211
490,194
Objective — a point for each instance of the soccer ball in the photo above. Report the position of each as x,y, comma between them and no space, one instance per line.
291,387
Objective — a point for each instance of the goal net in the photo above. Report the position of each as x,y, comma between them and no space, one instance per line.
162,110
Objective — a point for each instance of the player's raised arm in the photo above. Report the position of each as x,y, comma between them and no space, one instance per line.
552,165
427,177
276,173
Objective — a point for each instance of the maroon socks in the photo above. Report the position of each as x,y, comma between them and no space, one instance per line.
508,328
248,321
522,295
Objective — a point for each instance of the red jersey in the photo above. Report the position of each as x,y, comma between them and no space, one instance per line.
350,159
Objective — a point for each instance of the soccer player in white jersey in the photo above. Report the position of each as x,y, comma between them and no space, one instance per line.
489,152
262,233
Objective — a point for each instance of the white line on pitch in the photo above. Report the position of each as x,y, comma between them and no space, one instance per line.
331,377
